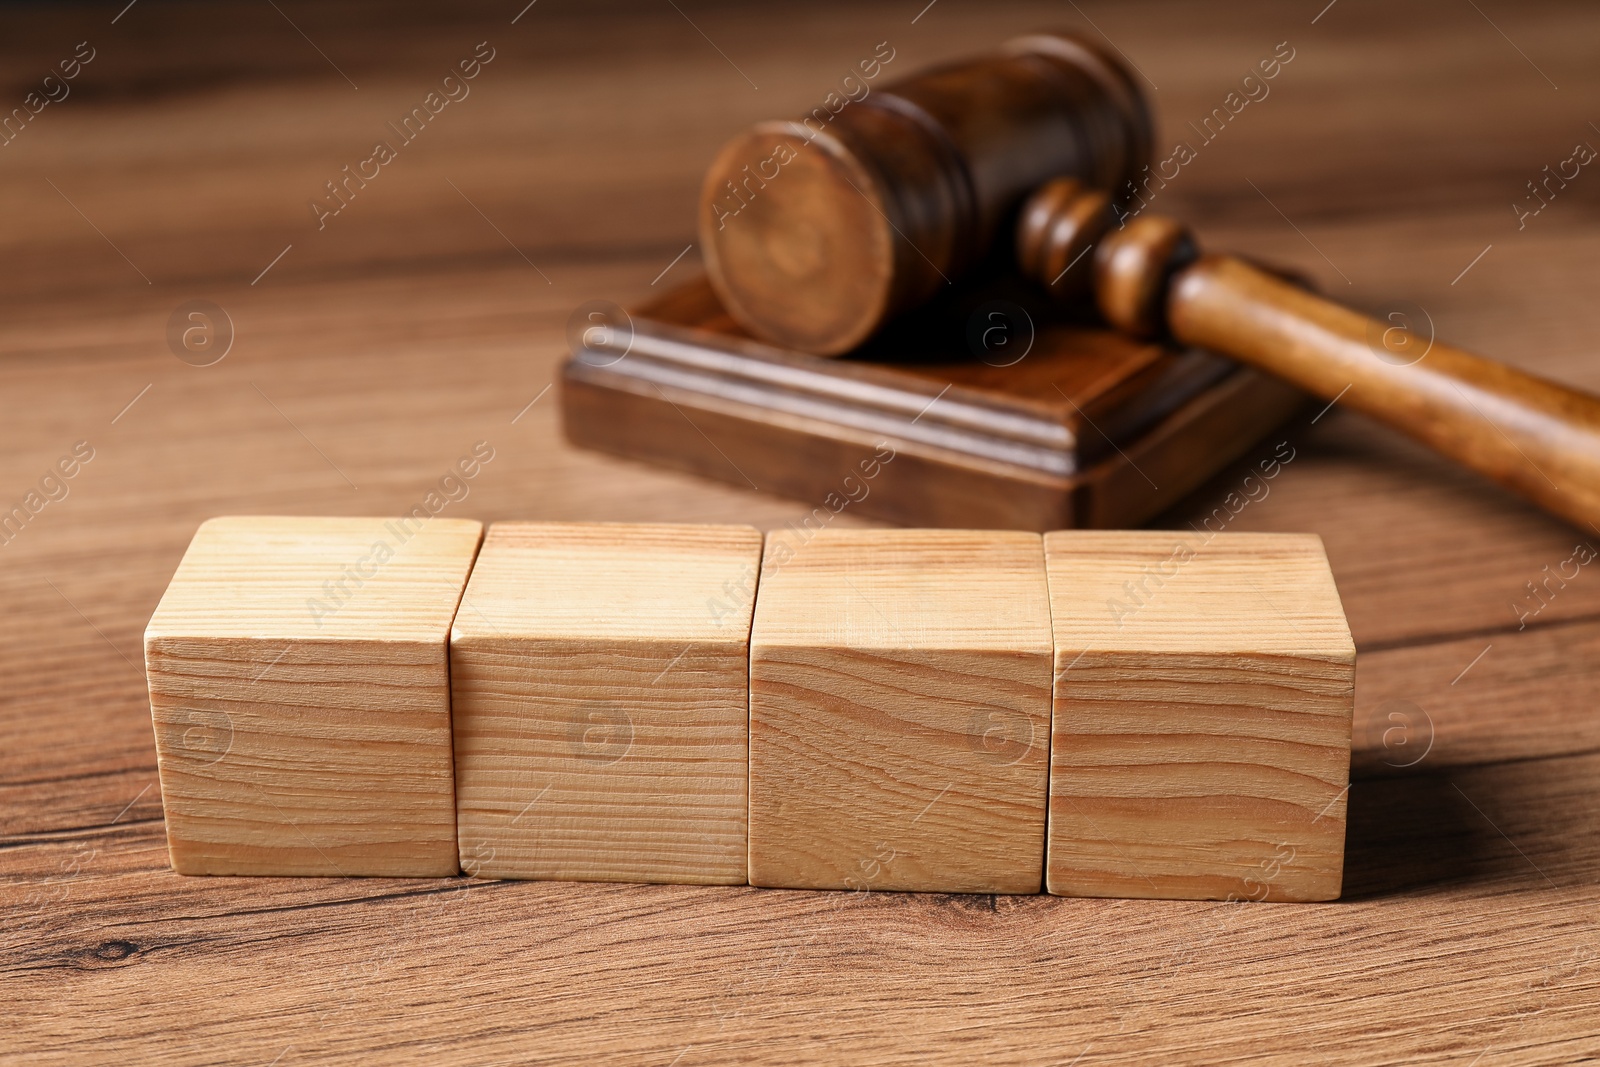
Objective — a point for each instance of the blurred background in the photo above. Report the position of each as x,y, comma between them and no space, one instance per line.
198,133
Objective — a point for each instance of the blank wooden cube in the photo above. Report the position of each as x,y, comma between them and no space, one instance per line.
601,687
899,711
300,690
1203,700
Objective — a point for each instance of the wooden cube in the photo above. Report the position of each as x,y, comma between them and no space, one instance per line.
899,711
1203,700
601,686
300,690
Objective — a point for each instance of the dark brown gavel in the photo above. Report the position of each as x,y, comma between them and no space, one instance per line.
817,231
1529,434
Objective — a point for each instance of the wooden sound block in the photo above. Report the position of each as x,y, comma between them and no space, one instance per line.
1088,429
300,689
1203,700
600,674
899,711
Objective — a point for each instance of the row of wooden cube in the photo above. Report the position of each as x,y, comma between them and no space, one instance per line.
1148,714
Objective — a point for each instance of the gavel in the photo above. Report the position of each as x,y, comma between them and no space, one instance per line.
818,231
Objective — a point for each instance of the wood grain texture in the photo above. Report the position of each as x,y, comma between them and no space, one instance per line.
410,328
899,711
300,691
1200,742
600,682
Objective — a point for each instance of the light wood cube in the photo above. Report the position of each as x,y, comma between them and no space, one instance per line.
899,711
1203,700
601,687
300,690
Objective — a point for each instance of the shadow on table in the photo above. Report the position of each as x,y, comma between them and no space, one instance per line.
1404,833
1412,832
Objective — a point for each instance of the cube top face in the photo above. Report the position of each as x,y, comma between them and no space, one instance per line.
279,577
1154,591
600,680
310,739
624,581
905,589
900,713
1201,748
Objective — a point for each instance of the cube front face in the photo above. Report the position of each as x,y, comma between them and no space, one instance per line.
600,675
299,688
899,712
331,760
1201,734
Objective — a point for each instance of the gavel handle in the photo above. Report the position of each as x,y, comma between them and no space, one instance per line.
1530,435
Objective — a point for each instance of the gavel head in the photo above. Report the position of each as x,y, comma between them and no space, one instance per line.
817,231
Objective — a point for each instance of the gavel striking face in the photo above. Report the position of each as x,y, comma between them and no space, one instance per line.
818,231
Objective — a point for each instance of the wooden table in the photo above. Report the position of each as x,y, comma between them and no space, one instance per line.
429,314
